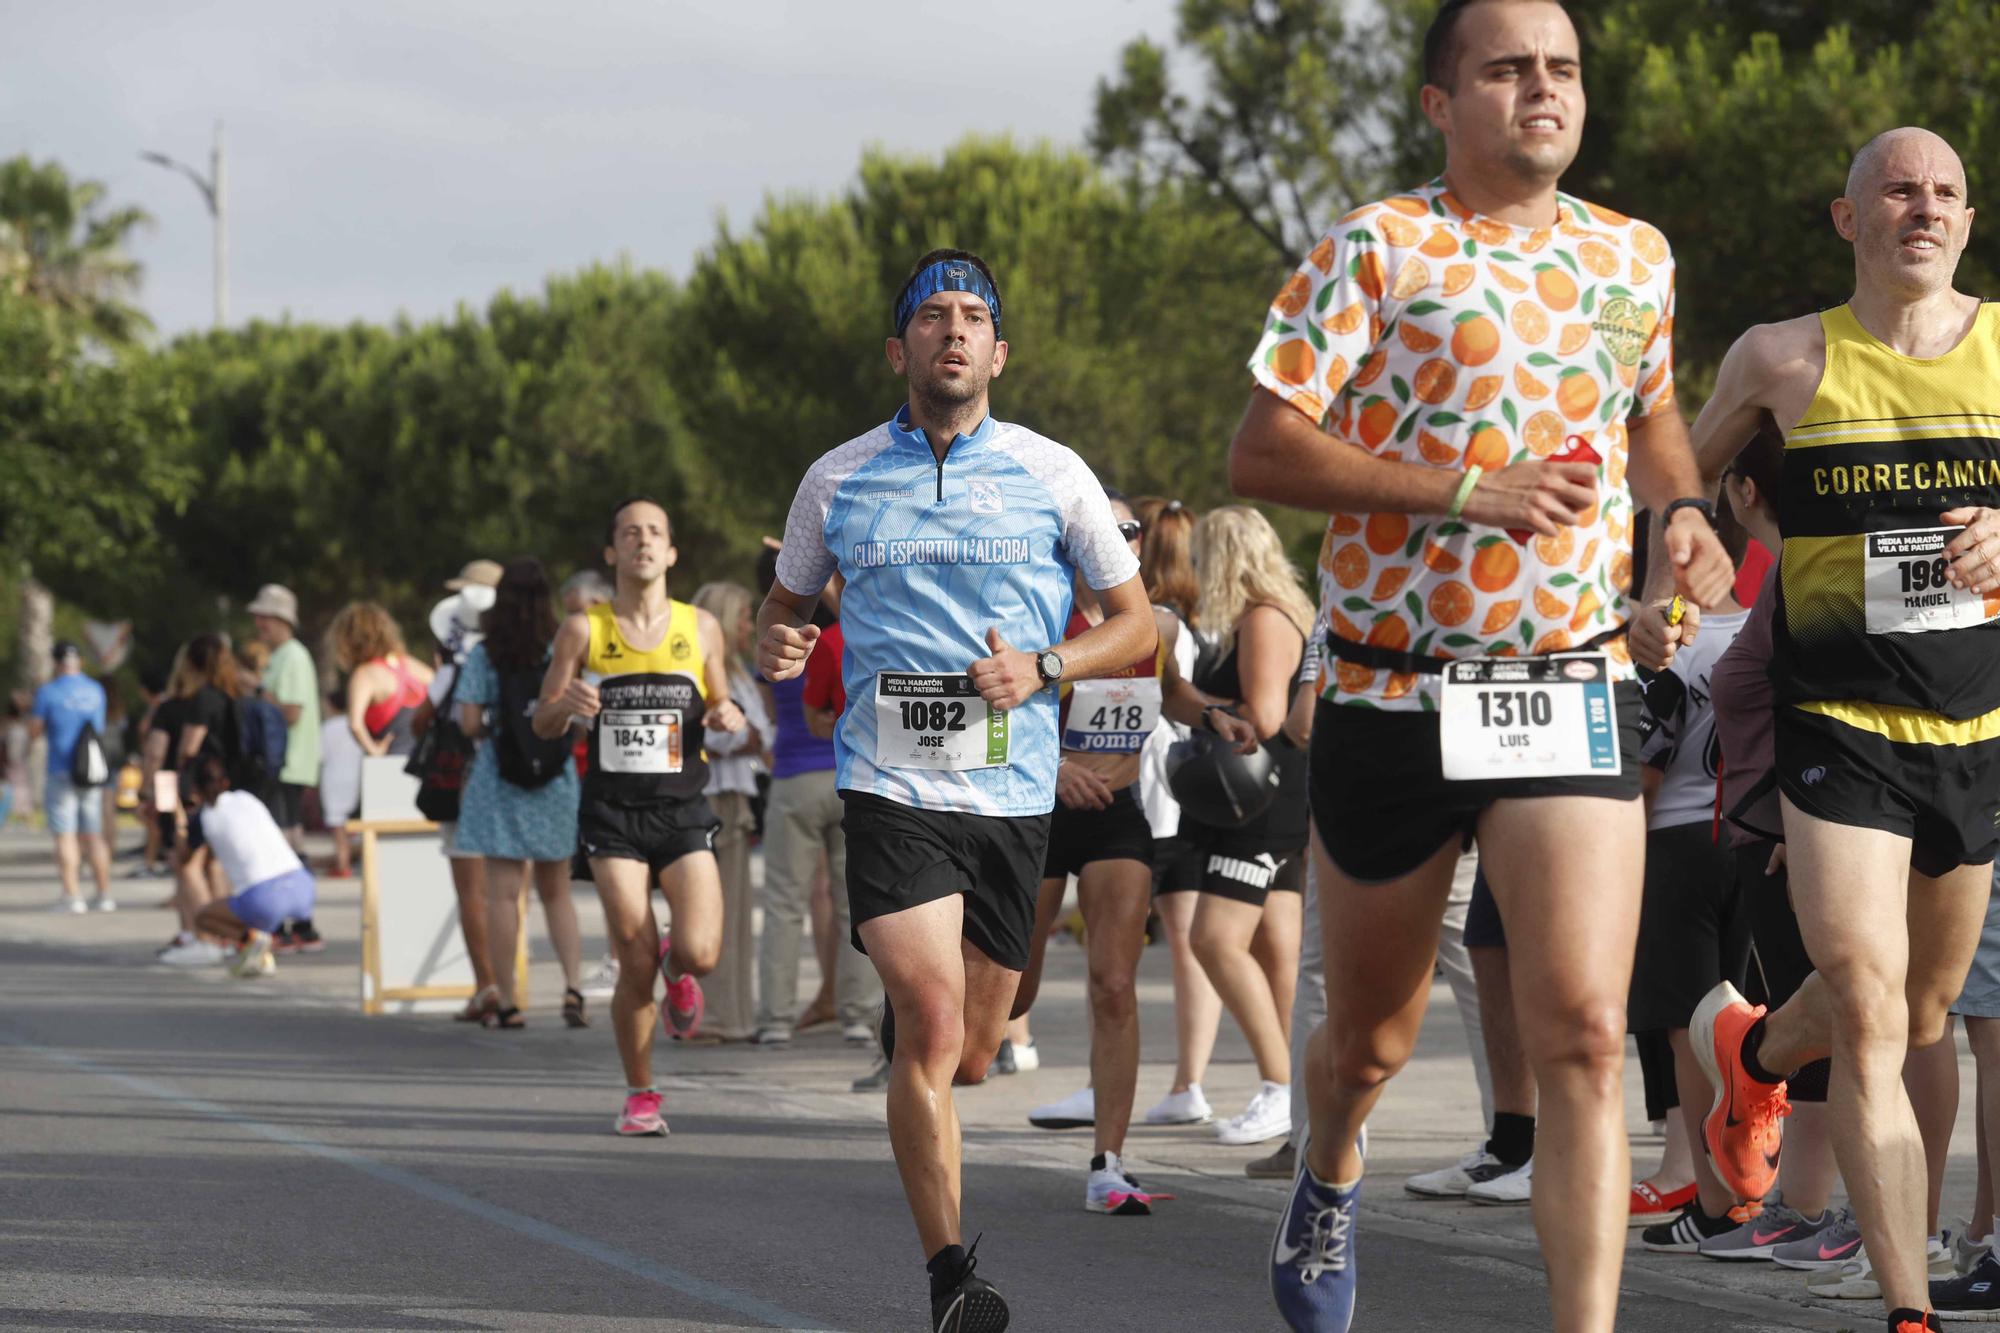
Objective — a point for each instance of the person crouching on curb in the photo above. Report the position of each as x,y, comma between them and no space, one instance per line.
273,886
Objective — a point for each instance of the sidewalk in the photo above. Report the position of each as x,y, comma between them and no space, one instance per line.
1439,1257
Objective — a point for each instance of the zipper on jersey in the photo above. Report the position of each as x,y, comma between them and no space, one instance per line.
940,481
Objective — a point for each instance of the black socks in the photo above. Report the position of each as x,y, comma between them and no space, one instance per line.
1901,1319
946,1267
1513,1140
1753,1041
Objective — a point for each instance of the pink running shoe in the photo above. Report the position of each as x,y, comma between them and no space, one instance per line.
642,1115
681,1014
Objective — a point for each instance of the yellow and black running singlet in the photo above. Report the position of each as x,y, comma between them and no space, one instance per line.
645,742
1890,442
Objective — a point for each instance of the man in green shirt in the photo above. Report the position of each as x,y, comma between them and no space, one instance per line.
293,684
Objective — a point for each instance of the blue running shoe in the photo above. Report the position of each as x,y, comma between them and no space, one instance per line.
1312,1259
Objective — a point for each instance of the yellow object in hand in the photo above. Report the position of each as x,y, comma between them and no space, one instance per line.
1675,610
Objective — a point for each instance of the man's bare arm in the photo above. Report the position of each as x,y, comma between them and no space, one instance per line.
1281,457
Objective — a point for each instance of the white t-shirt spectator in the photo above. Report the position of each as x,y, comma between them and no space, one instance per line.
248,842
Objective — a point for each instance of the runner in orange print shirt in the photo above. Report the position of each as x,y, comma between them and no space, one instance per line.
1472,379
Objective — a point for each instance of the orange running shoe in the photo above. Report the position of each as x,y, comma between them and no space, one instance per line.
1741,1129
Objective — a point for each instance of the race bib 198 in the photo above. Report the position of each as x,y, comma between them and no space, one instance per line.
639,741
1537,717
1903,580
934,721
1112,716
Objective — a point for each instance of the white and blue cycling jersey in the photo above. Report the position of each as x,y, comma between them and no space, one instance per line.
934,554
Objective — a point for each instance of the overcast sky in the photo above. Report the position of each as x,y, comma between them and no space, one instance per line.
401,158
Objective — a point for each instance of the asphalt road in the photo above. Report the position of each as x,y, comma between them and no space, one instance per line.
180,1151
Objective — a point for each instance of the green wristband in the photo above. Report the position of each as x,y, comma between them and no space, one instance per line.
1472,476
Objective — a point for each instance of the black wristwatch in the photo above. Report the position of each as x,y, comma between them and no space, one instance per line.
1049,666
1707,508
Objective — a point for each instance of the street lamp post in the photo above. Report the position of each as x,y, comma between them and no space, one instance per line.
211,187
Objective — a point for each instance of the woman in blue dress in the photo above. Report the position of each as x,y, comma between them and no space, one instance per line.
519,805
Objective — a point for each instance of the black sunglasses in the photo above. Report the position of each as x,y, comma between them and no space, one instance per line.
1131,529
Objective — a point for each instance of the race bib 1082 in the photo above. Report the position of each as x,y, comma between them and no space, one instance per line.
1536,717
936,721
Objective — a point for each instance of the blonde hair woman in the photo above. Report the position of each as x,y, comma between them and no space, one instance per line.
734,758
384,687
1249,878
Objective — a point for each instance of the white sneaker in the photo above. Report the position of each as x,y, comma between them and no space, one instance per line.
857,1034
1027,1058
1269,1116
1852,1281
1451,1182
602,980
194,953
1938,1255
72,906
254,958
1181,1108
1515,1186
105,904
1075,1111
180,937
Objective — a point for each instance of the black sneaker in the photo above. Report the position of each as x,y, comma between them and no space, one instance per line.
1690,1228
306,937
973,1306
282,941
1003,1059
1976,1296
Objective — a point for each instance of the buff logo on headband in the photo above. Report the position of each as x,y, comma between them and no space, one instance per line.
947,275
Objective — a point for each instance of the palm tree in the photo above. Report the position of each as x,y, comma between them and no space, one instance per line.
62,249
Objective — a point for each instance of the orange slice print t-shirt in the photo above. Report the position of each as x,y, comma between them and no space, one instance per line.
1421,331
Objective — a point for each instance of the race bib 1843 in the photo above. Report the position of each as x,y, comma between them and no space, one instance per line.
1112,716
639,740
1903,580
1537,717
935,721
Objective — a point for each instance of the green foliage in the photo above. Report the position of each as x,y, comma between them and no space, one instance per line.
63,252
372,461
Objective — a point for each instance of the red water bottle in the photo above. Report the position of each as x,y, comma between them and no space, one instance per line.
1576,449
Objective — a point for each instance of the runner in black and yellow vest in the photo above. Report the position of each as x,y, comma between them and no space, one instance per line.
650,675
1888,675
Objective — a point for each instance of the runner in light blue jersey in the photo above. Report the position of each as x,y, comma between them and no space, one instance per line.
959,536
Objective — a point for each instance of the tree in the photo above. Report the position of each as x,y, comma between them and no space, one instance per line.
63,250
1287,131
66,287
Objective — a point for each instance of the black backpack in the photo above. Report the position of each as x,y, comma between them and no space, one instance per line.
88,766
526,760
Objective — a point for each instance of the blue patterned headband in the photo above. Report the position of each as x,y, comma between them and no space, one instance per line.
947,275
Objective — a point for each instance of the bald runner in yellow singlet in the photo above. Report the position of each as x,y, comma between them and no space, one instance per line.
1888,671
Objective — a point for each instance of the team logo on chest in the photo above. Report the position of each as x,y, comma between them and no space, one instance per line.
986,497
1622,325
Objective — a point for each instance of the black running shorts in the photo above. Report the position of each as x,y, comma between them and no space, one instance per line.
1694,928
1944,798
658,833
1118,833
1236,863
899,857
1380,799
